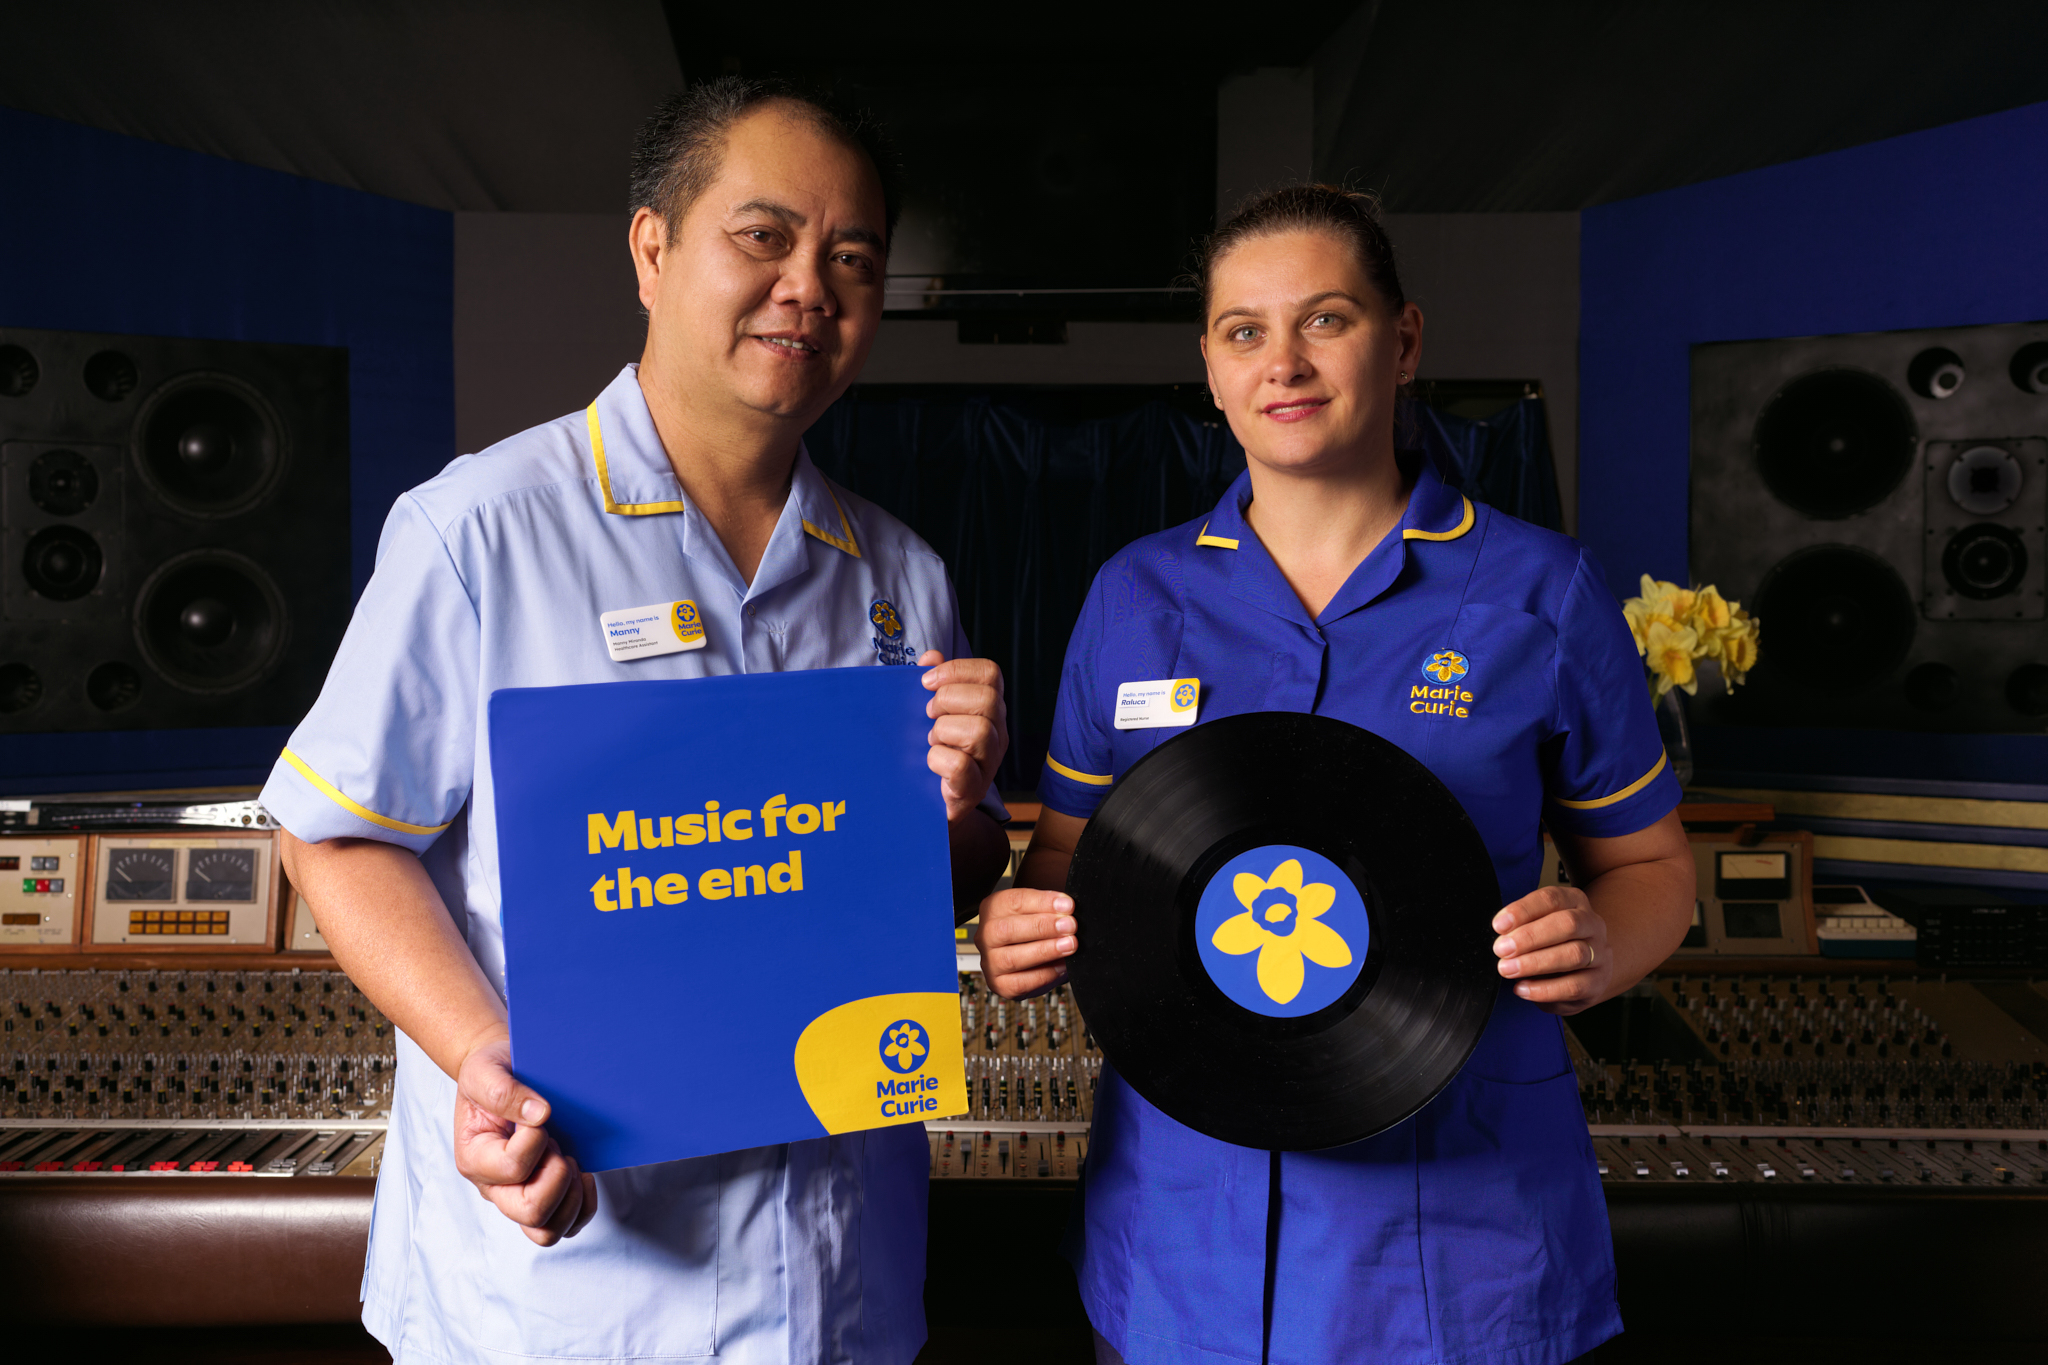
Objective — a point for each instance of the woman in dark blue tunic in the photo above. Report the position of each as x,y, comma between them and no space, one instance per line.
1338,578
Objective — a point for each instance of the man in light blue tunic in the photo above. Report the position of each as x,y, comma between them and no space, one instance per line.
759,234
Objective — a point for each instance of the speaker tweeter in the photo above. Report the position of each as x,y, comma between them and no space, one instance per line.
113,686
110,376
18,371
62,482
1936,372
2030,367
20,688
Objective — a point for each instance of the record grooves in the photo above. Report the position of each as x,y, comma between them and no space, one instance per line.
1286,931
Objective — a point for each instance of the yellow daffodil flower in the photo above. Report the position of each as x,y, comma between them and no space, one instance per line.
1281,923
1671,652
906,1044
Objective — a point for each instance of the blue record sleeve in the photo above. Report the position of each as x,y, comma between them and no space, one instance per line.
727,906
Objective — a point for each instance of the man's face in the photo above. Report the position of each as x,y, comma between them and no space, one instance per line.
769,295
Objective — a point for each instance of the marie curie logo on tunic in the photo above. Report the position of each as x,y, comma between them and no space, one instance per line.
904,1046
889,646
1282,930
1447,666
1184,693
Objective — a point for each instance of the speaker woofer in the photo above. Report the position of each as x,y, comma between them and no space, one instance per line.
1841,618
1984,561
210,445
62,482
211,621
62,563
1834,443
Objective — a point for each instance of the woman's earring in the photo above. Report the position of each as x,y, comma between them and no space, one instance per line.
1400,376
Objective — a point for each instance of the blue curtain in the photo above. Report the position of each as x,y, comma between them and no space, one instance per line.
1503,461
1025,499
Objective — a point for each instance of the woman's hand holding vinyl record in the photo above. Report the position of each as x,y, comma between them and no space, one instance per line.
1556,940
1025,938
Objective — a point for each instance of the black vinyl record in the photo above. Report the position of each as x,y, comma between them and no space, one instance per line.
1286,931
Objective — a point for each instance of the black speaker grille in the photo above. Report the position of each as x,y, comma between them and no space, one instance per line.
211,621
1834,443
1840,619
210,445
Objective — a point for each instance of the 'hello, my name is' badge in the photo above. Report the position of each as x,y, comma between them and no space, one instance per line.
644,632
1157,704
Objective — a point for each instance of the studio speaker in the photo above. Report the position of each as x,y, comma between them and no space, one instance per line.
1879,501
173,530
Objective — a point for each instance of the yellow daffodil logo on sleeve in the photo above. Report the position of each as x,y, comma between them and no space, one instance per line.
1447,666
1282,930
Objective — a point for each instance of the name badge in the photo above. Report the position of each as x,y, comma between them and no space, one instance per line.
1155,705
643,632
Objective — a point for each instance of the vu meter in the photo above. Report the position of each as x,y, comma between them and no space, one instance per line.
191,892
141,874
220,874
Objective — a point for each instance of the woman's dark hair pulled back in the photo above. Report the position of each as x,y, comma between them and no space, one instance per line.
1351,216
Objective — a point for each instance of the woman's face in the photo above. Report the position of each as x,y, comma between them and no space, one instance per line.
1303,353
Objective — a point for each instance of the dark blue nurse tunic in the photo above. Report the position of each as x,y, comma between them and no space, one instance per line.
1475,1231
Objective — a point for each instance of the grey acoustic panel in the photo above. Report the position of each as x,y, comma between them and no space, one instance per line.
173,530
1879,499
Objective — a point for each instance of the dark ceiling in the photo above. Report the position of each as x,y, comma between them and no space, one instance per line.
1494,105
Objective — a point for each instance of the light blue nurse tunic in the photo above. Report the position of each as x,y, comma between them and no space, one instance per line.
494,575
1475,1231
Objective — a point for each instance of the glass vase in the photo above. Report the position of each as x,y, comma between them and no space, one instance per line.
1676,733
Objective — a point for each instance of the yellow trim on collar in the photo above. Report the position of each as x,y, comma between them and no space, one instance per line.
333,793
1624,794
604,482
840,542
1064,771
1460,529
1220,542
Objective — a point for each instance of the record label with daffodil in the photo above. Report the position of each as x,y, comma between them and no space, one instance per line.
1288,939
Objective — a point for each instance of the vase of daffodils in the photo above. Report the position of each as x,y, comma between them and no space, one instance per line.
1676,630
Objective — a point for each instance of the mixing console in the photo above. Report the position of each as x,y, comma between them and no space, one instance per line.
1032,1069
191,1044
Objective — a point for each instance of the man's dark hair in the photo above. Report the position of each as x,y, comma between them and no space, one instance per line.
680,147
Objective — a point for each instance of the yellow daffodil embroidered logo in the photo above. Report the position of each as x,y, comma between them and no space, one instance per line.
903,1045
1281,922
1447,666
882,613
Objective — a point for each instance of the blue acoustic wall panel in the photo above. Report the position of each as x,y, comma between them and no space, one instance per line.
107,233
1940,228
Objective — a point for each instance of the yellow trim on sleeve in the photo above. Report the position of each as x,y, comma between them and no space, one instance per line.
1460,529
1220,542
1064,771
604,484
1624,794
841,542
334,794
